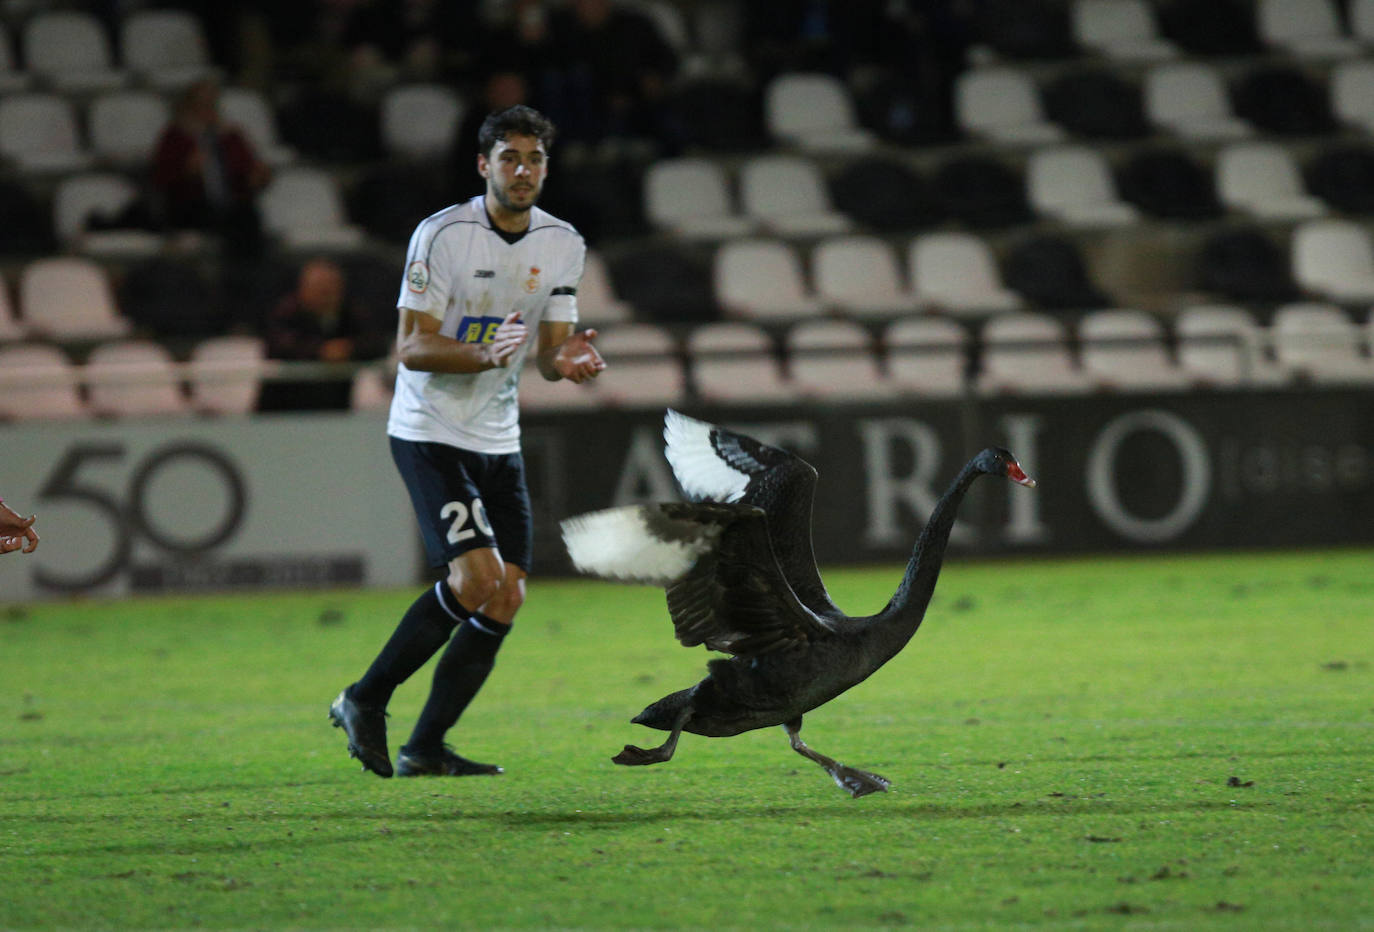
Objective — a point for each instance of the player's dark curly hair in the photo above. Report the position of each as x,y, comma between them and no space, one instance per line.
515,121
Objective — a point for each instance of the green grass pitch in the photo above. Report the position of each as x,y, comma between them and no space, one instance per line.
1162,742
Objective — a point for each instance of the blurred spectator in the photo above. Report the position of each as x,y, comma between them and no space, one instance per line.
500,90
613,71
516,38
319,322
206,173
411,40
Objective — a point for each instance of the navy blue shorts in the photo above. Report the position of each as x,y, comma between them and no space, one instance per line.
466,500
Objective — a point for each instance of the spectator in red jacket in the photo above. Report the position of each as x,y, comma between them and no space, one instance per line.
206,172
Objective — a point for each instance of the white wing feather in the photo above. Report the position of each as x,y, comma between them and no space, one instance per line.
619,544
699,469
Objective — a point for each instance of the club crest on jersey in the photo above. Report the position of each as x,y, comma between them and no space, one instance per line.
532,283
417,276
477,329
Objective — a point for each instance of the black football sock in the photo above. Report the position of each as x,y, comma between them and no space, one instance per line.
460,673
424,628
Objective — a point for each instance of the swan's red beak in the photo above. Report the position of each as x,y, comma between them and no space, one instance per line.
1018,475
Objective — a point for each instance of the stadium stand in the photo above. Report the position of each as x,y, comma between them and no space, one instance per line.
1052,148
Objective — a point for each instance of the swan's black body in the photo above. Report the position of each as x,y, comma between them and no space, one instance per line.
750,588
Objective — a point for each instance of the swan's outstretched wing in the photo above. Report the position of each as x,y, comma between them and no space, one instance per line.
715,464
723,583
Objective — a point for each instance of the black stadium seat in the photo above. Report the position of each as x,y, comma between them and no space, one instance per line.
1169,183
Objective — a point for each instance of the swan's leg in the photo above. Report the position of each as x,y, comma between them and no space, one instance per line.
634,756
854,782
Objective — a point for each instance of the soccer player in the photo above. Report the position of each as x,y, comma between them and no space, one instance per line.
486,282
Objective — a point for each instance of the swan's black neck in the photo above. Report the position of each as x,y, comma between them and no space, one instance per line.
903,614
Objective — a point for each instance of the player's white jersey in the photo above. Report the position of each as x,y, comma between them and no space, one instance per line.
466,273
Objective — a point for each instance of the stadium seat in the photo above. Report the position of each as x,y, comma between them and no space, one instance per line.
885,194
225,374
124,126
927,355
69,298
691,197
70,51
1334,259
1074,184
1049,271
860,275
304,209
835,360
814,112
1262,179
420,121
1120,29
252,113
38,381
27,230
1361,13
1222,346
597,302
1212,29
1246,264
12,80
1190,100
1343,176
39,133
1306,28
1026,353
787,195
1124,350
666,281
134,378
1170,183
1002,104
735,363
982,191
165,48
1320,343
957,273
1284,100
720,114
1352,93
105,198
172,298
762,279
10,326
645,369
1097,103
1026,29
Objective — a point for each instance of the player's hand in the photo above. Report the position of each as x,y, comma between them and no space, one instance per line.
16,532
577,359
506,339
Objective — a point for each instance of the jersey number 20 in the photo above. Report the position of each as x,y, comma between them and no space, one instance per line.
459,529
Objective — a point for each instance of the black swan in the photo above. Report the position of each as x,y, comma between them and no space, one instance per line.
741,578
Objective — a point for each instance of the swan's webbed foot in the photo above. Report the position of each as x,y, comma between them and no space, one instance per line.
853,781
857,782
635,756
